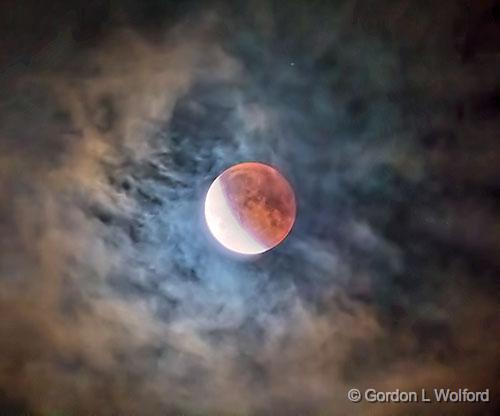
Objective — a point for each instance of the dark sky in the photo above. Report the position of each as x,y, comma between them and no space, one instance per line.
116,116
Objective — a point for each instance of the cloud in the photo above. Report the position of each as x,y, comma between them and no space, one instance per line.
115,300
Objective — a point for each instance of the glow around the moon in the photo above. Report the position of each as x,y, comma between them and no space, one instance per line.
250,208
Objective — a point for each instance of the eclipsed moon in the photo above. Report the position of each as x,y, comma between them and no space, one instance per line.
250,208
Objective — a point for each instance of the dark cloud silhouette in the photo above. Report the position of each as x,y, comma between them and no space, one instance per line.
114,119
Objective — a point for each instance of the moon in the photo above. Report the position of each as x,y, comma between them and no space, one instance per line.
250,208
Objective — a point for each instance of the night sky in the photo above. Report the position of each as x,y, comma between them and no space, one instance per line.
116,116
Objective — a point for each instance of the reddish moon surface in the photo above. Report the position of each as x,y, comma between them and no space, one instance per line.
250,208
